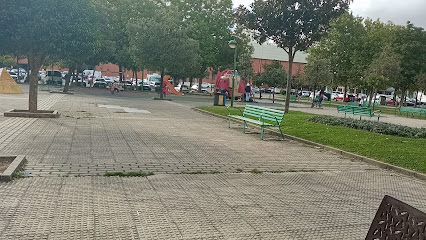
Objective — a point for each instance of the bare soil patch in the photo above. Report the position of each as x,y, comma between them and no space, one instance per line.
5,162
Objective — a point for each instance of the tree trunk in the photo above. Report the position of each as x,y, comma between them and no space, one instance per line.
313,99
273,95
344,93
374,102
36,61
370,93
120,69
67,79
200,81
417,96
161,83
394,98
402,97
289,78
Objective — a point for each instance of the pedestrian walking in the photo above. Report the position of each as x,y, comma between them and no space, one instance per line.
320,98
115,87
248,92
253,92
361,102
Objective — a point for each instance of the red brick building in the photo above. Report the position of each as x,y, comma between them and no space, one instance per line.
263,54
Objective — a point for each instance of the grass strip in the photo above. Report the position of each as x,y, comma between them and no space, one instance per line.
404,152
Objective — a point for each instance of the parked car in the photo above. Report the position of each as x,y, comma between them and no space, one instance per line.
100,83
306,93
52,77
183,87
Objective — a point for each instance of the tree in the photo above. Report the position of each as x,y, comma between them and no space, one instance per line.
343,47
420,85
409,43
317,73
43,30
274,75
208,22
292,25
8,60
383,70
162,43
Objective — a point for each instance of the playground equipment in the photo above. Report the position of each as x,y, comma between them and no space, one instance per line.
8,84
170,86
224,84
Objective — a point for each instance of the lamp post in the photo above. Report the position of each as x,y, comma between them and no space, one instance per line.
233,45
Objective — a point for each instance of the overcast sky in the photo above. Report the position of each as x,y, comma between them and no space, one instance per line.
396,11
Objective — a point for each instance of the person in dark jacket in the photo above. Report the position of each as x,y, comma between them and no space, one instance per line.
248,92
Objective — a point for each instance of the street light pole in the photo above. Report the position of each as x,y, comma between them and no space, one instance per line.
233,45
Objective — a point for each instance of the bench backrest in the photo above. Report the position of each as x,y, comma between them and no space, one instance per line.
412,110
354,109
345,108
353,104
265,113
365,104
362,110
397,220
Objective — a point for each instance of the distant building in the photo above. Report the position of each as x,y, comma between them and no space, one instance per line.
269,52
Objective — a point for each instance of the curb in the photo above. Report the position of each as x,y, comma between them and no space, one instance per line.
354,156
15,166
59,92
162,99
28,114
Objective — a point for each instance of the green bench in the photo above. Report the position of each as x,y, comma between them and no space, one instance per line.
365,104
361,111
264,117
420,111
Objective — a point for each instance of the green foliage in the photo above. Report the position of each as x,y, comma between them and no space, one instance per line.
421,82
292,25
8,60
161,42
317,73
409,153
376,127
409,43
274,75
46,28
341,48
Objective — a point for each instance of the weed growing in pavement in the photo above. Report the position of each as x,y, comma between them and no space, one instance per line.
129,174
18,175
256,171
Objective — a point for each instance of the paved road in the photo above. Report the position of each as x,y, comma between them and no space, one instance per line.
304,193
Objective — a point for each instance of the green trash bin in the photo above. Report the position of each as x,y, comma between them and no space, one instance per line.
219,99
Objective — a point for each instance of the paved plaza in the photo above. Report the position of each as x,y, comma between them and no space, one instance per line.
202,187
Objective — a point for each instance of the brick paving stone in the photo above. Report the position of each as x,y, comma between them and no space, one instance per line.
219,206
315,194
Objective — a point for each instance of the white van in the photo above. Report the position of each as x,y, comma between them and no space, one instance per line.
52,77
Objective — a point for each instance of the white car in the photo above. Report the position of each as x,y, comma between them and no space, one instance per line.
306,93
